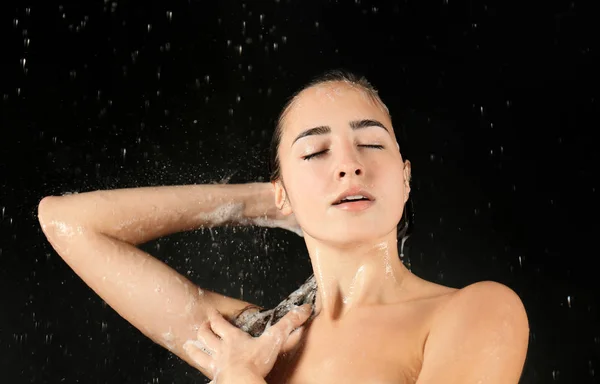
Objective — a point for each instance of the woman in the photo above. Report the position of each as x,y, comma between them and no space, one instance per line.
340,176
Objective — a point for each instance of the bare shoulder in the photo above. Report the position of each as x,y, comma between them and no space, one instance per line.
481,299
480,331
485,307
484,302
485,295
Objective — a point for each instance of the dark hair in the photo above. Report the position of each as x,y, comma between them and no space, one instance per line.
329,76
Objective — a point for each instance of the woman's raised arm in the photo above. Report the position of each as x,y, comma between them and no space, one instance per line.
96,233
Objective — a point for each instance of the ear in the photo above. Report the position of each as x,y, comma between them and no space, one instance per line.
281,199
407,176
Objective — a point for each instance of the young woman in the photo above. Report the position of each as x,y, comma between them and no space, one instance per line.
340,177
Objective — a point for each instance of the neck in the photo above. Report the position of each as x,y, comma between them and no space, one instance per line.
351,276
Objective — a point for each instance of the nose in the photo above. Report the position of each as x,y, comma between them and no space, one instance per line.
342,173
349,166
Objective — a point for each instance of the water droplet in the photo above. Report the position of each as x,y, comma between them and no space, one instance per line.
16,22
275,46
520,261
238,98
207,79
261,18
149,27
316,24
124,153
169,15
249,68
569,301
28,11
239,49
26,42
284,39
23,62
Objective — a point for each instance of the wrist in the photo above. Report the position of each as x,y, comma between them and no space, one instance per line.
259,202
238,376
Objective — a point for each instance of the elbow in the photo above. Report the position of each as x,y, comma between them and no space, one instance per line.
57,223
44,212
50,214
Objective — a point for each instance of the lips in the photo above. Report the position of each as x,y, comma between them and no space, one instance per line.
353,192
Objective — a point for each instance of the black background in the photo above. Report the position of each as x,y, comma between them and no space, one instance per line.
496,104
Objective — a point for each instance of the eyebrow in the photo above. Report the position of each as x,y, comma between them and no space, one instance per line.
354,125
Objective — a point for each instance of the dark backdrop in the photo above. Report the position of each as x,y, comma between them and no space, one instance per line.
495,103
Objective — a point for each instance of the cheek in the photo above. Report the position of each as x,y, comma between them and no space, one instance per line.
392,180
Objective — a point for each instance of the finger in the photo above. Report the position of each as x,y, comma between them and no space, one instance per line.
207,337
198,354
294,319
219,325
293,340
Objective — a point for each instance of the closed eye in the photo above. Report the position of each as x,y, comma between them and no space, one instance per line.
317,154
313,155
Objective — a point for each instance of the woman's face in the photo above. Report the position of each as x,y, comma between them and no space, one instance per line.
335,137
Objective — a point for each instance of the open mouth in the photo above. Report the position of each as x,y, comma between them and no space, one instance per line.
352,199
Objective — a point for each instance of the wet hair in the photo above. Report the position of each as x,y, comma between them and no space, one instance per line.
336,75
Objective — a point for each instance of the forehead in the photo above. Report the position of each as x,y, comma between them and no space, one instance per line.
332,104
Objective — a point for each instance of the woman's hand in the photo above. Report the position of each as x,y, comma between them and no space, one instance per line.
287,222
221,348
262,211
